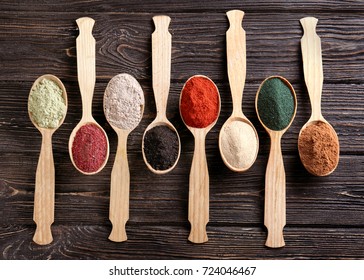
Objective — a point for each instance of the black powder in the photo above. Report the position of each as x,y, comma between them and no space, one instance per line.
161,147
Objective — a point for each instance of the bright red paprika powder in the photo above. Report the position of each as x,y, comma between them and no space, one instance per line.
89,148
200,102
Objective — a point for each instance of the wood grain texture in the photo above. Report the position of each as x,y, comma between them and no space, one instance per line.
165,242
159,6
123,44
324,216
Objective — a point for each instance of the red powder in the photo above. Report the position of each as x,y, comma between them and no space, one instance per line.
199,102
89,148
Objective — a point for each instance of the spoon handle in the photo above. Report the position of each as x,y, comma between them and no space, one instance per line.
236,58
161,63
119,190
44,192
275,194
86,63
312,64
198,203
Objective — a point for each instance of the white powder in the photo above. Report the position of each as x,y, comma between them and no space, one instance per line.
123,102
239,144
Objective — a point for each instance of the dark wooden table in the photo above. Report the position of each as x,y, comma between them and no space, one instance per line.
325,216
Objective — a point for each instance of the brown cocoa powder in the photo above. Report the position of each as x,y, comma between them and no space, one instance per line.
319,148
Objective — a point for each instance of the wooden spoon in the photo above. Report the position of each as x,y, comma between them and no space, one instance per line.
236,61
314,77
275,179
44,192
198,200
86,70
120,180
161,74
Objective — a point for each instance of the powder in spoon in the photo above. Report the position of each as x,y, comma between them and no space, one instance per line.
46,104
89,148
161,147
123,101
239,144
200,102
318,148
275,104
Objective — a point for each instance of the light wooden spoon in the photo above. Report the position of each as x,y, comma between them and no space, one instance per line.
275,179
120,179
236,62
314,77
198,200
44,192
86,70
161,75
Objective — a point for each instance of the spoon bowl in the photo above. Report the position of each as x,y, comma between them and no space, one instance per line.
64,95
275,178
313,72
198,201
83,122
336,140
44,191
236,60
161,73
228,123
155,123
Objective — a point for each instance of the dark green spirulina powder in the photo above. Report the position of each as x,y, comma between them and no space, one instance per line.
161,147
275,104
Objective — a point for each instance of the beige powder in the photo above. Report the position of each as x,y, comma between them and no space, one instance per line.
239,144
123,102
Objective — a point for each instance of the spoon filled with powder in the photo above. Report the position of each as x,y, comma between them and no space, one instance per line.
123,107
88,144
47,107
199,109
276,107
318,144
238,139
161,145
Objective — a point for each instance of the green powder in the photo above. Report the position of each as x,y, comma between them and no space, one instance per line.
46,104
275,104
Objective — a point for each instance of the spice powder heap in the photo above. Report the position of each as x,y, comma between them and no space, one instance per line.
319,148
161,147
89,148
46,104
239,144
275,104
123,102
200,102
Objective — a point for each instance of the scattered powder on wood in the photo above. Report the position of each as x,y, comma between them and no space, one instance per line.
318,148
46,104
124,101
239,144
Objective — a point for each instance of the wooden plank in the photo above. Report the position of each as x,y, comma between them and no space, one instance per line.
186,6
33,45
235,199
170,242
341,105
